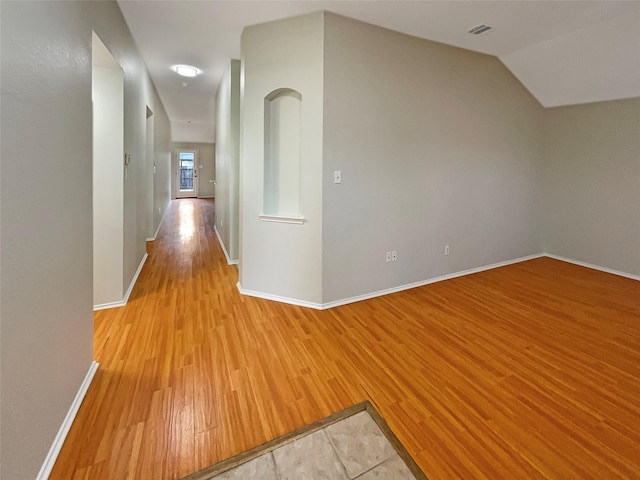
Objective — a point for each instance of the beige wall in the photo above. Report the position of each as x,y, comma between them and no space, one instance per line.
46,293
108,198
437,146
46,329
280,259
592,184
162,156
228,160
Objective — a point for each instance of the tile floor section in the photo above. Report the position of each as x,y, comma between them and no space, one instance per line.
353,448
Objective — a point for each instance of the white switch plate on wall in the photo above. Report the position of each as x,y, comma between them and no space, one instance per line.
337,176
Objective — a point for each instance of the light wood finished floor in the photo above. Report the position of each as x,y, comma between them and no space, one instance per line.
530,371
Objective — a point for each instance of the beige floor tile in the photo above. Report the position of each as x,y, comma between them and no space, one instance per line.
260,468
359,443
392,469
309,458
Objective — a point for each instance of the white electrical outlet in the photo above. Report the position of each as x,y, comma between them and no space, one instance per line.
394,256
388,257
337,176
446,250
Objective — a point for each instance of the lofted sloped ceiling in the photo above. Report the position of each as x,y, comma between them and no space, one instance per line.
564,52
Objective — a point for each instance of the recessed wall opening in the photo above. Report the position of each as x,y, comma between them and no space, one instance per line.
150,170
107,92
282,109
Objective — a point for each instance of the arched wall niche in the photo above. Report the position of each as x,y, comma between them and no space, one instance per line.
282,118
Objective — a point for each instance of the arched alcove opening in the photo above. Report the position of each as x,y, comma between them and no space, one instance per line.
282,109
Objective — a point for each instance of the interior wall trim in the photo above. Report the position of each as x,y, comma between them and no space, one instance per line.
278,298
224,249
123,302
52,455
105,306
594,267
379,293
155,235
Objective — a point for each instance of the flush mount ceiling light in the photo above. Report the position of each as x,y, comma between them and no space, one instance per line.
186,70
478,29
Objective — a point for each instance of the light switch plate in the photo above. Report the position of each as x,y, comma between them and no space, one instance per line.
337,176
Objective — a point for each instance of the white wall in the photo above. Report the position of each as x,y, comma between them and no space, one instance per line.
46,258
228,160
276,258
592,184
108,196
206,167
437,146
162,158
149,174
556,69
46,238
139,94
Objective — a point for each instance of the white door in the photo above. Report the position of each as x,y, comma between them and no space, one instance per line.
187,180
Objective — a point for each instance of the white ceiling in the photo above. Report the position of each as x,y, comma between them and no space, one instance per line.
564,52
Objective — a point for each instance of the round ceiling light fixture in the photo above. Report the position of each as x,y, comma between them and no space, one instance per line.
186,70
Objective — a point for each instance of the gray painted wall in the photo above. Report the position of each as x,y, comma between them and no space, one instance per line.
437,146
228,159
206,174
162,155
466,171
108,198
46,259
282,259
46,302
592,183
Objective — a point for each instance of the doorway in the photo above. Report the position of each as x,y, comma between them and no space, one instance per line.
149,172
109,175
187,173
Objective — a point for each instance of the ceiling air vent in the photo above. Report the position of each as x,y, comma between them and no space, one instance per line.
477,30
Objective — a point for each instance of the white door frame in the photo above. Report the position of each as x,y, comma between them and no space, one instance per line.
187,193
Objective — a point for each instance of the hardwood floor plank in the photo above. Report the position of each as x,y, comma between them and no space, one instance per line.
526,371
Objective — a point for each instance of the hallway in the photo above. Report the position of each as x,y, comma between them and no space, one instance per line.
527,371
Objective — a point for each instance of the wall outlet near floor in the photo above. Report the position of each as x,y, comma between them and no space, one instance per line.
394,256
446,250
388,257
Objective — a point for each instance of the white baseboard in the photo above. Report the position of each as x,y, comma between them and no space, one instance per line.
105,306
206,196
421,283
123,302
155,235
379,293
224,249
278,298
135,278
594,267
52,455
